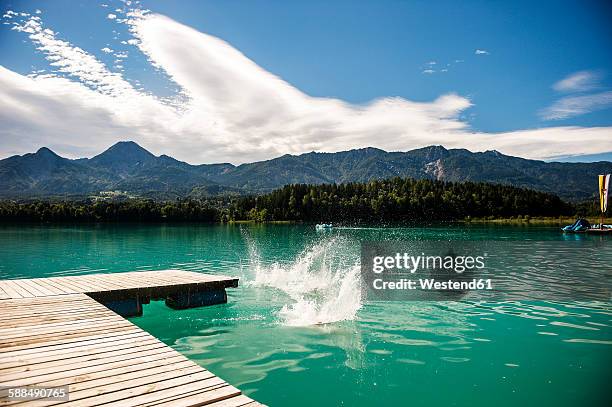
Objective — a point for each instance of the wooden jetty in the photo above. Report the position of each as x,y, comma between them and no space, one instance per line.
56,333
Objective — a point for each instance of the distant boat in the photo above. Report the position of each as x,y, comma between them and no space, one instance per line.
323,226
583,225
579,226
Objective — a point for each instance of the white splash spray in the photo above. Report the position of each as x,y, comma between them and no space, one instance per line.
322,283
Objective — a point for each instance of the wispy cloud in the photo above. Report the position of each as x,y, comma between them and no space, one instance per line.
578,82
571,106
71,60
481,52
229,108
581,102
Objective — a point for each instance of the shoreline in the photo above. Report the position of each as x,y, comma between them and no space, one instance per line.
551,221
537,220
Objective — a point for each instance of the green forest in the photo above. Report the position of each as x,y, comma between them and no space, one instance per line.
397,200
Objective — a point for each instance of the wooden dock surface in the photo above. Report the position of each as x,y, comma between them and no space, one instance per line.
53,334
116,284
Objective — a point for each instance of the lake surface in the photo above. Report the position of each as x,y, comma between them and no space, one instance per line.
264,339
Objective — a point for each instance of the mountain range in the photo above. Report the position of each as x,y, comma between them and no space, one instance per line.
128,167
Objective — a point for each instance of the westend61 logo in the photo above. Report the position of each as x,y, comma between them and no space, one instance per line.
422,270
485,270
436,272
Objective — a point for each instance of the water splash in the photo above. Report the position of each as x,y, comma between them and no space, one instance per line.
322,282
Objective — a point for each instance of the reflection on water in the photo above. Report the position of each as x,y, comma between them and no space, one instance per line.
452,353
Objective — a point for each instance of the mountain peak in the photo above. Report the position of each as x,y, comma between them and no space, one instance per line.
127,146
45,151
126,150
123,157
494,153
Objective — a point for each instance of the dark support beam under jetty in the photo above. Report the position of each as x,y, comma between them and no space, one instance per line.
128,302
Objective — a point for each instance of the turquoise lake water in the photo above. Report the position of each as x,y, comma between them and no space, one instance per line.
264,340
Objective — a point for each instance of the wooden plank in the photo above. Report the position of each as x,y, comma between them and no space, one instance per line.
119,381
63,289
237,401
126,352
19,363
42,284
43,374
64,283
28,347
38,316
106,388
33,288
10,289
88,374
147,281
36,339
64,326
188,395
3,294
106,282
150,391
78,281
52,318
49,375
68,347
20,291
67,327
17,302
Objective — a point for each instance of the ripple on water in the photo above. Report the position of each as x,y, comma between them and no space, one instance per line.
575,326
381,351
454,359
591,341
410,361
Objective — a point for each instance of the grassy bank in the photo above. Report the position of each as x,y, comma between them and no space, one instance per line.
541,220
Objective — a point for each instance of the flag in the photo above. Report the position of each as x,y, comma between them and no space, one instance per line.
604,182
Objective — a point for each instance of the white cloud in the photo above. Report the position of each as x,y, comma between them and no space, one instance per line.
571,106
230,109
428,71
481,52
111,16
578,82
106,50
73,61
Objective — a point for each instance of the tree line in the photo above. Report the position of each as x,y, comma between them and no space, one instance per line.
397,200
140,210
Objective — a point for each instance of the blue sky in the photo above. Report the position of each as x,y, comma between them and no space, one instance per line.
507,60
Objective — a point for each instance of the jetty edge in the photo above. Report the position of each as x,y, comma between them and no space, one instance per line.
70,333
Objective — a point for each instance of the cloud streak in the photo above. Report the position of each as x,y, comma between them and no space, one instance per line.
579,102
571,106
578,82
229,108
